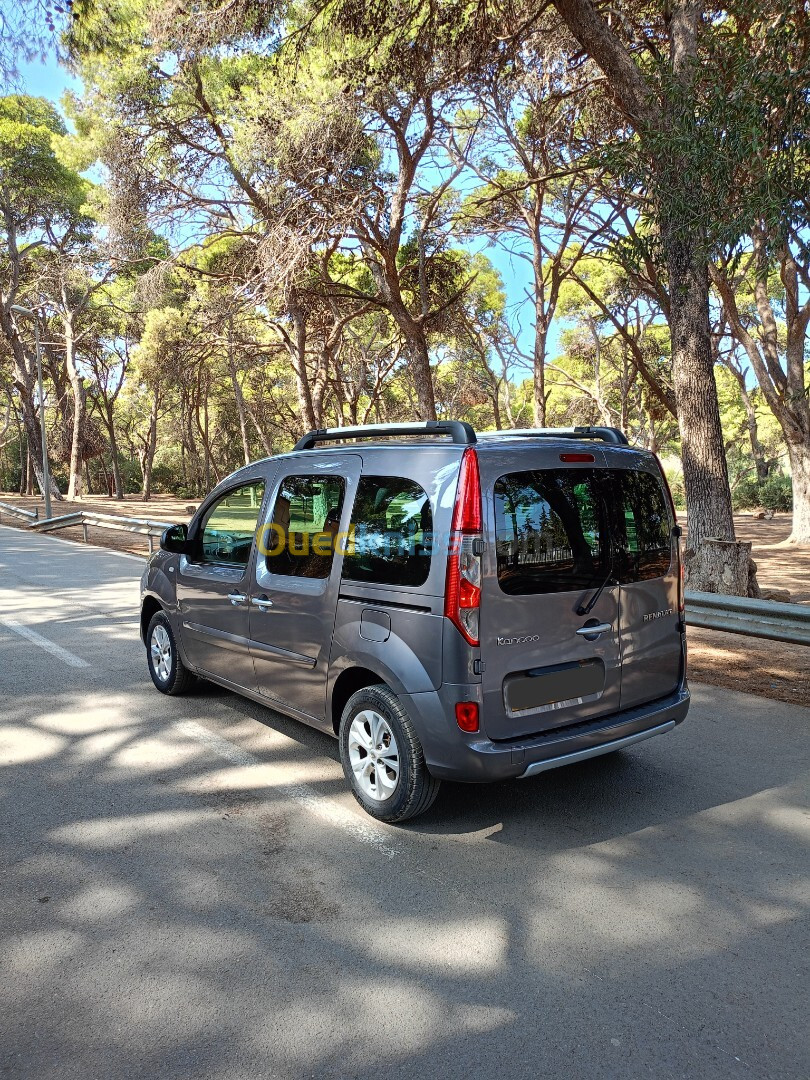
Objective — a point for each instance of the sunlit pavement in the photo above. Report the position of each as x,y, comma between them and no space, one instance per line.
189,891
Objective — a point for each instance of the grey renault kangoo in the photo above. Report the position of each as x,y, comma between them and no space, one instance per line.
447,605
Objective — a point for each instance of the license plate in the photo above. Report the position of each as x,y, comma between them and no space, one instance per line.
554,687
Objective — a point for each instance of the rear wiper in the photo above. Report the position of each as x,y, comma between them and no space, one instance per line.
586,609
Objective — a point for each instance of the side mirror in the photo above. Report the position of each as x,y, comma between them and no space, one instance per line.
174,539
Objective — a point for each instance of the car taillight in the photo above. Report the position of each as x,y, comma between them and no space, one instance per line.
462,597
467,715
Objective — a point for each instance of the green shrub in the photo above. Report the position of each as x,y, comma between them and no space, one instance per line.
775,493
745,495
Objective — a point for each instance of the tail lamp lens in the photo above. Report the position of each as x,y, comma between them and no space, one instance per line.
467,715
462,600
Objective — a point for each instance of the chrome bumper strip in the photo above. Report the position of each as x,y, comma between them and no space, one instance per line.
595,751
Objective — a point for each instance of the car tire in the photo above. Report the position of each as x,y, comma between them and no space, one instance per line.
169,674
382,757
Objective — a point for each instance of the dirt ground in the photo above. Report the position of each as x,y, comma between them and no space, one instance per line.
768,668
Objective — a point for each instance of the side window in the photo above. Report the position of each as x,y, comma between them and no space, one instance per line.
644,528
391,533
299,538
230,525
548,531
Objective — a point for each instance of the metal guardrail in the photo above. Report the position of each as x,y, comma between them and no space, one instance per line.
143,526
754,618
708,611
19,511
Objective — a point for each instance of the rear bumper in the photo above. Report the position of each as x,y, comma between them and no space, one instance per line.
595,751
452,755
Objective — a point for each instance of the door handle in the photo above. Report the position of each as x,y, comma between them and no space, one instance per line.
594,631
261,602
237,598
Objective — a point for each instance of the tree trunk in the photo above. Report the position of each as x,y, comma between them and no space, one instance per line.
79,410
421,373
24,467
149,451
496,402
799,454
34,436
757,449
206,439
298,355
268,449
751,423
540,339
240,401
725,567
539,374
708,497
705,473
110,425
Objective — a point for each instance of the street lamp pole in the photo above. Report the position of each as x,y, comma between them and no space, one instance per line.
46,472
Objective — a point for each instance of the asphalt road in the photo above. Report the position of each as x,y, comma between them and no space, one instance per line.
187,889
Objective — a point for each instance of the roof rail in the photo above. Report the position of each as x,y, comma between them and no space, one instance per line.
458,430
604,434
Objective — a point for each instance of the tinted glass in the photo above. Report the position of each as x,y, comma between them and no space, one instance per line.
230,526
392,528
565,529
643,532
300,538
549,531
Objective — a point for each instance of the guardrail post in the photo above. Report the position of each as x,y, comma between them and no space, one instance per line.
84,530
151,544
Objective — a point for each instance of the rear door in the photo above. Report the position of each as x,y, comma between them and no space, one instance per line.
545,664
648,573
296,578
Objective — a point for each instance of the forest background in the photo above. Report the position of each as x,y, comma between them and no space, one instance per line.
251,218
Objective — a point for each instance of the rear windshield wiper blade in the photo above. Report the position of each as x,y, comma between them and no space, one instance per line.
586,609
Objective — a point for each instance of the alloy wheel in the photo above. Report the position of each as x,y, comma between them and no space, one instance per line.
374,755
160,647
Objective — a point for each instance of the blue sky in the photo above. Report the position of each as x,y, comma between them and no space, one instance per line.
47,79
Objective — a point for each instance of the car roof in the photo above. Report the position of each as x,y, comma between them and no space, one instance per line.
485,441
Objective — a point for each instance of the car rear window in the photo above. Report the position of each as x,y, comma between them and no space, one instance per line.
560,530
643,531
549,531
391,533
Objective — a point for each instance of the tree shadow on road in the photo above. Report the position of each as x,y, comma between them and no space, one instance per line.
169,913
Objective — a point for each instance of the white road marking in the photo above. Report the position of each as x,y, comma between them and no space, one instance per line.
307,797
66,657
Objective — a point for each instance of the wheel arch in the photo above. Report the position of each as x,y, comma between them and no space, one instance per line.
150,605
348,682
